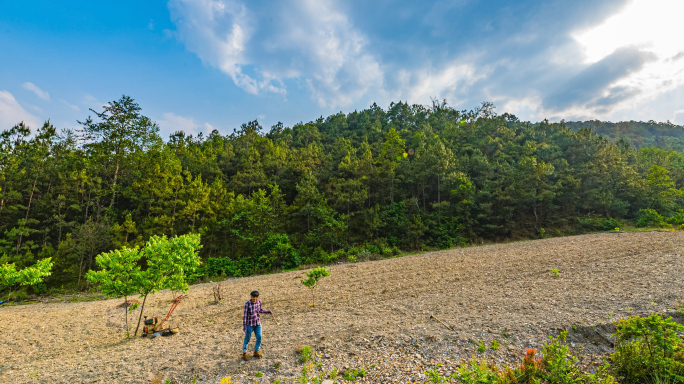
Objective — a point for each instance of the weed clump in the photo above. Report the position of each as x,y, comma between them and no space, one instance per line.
305,353
352,373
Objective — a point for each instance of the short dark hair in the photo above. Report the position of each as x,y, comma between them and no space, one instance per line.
255,294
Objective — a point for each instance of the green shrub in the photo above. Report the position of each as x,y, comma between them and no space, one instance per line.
305,354
597,223
554,365
478,372
648,346
40,289
373,249
224,266
259,374
352,373
495,345
318,255
677,219
364,255
481,347
650,218
277,252
336,255
435,377
446,242
20,295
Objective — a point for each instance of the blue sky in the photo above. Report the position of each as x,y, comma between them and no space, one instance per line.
197,65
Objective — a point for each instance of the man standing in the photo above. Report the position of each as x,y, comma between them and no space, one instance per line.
251,322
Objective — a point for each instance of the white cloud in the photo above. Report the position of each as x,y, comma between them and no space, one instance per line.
91,102
678,117
335,61
451,82
73,107
651,26
309,40
346,56
218,32
172,123
35,89
12,113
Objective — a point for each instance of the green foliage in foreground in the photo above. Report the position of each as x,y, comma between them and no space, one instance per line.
170,264
649,350
305,354
10,278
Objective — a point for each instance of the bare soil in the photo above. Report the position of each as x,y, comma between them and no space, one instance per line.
366,313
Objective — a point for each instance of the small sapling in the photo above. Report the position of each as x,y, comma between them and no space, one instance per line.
312,280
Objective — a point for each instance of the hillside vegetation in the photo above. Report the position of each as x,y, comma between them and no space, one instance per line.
639,134
373,315
344,186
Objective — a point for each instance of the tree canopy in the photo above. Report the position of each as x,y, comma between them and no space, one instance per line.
409,176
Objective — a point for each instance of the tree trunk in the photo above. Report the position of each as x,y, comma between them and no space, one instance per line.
173,218
439,196
142,309
28,208
80,271
116,175
59,214
85,219
90,263
126,314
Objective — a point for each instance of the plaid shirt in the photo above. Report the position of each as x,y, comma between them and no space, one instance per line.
251,315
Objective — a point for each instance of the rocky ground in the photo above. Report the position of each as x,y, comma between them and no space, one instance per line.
372,315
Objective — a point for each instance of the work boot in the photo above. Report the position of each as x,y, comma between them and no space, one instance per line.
245,356
257,354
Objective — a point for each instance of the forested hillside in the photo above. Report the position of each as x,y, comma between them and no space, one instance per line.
266,198
638,133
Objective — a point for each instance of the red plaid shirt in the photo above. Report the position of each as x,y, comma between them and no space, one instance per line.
251,315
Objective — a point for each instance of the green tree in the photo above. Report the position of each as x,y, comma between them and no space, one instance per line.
121,130
393,149
311,282
117,275
10,277
663,193
307,196
171,264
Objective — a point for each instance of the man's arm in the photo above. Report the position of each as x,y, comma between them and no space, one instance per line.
244,318
261,310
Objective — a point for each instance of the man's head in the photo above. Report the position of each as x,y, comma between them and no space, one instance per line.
255,296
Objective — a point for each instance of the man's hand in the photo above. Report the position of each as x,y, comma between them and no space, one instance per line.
244,329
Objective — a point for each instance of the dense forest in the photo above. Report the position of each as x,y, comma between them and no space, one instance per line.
372,181
638,133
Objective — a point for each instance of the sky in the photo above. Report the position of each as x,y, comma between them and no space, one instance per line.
199,65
